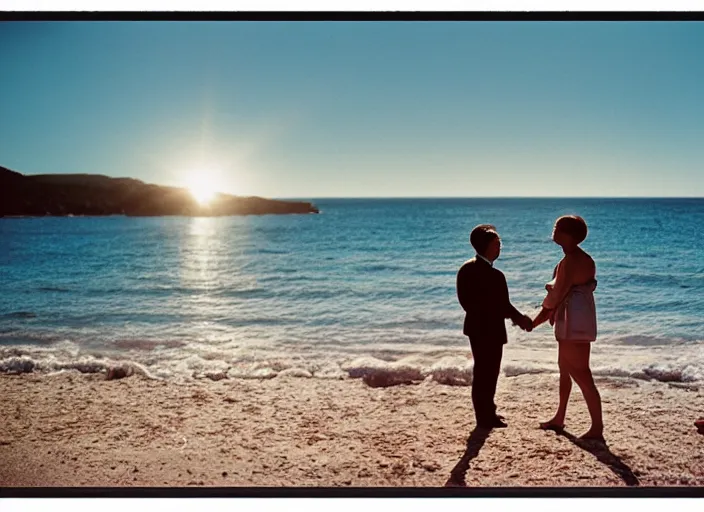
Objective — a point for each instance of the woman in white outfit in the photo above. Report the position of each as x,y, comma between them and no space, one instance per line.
569,306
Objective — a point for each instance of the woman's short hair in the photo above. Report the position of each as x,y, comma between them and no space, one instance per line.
481,236
573,225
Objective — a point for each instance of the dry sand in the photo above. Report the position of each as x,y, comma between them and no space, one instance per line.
72,429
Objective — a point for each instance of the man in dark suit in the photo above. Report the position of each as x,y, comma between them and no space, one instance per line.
483,294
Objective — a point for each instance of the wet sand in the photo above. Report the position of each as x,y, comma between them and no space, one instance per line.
73,429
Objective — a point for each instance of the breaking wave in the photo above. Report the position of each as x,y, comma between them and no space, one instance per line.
380,370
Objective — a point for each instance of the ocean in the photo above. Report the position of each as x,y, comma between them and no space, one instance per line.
366,283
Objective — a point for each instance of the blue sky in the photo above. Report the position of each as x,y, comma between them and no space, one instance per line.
335,109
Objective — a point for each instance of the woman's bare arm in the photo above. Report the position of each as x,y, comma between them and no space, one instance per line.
543,316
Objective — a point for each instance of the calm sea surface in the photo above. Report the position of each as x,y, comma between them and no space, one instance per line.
366,280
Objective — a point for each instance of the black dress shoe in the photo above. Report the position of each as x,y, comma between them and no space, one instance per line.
495,423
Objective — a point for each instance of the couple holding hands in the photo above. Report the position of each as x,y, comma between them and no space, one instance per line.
569,307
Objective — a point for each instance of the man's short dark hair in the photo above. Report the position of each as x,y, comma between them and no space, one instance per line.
573,225
481,237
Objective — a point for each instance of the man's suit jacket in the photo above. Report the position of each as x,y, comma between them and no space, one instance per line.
483,294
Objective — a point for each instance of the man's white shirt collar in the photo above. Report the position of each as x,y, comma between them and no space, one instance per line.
491,264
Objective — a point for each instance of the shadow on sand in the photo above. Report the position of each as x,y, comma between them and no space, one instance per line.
601,451
475,441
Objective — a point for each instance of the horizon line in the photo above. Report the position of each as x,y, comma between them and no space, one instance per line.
300,198
359,16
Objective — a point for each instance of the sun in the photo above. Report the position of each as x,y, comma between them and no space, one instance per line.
203,188
202,192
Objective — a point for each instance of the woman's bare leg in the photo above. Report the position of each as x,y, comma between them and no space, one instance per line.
558,421
578,359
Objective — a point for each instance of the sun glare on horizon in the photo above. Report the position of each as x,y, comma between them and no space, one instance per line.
203,187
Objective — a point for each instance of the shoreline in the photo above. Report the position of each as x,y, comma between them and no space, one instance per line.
447,364
72,429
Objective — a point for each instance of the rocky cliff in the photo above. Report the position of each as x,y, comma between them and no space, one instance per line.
89,194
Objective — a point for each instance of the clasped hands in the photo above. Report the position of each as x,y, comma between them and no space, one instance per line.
525,323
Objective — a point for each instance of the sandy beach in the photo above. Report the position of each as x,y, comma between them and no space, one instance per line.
73,429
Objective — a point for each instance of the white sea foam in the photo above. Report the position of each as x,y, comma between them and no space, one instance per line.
62,357
295,372
454,371
378,373
260,373
514,370
671,373
446,366
14,364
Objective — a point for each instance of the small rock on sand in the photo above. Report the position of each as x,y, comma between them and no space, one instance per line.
430,466
216,376
384,380
118,372
700,425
